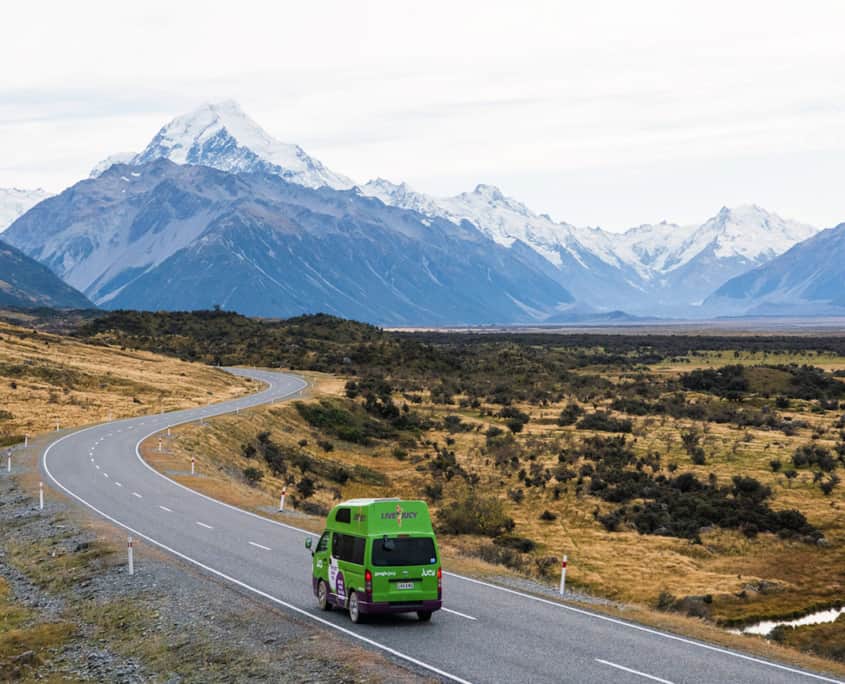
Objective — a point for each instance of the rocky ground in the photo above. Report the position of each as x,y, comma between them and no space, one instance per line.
71,612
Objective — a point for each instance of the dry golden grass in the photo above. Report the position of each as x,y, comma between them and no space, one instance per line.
45,379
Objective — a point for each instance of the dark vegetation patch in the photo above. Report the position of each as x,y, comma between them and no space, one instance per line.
344,420
790,381
682,505
284,460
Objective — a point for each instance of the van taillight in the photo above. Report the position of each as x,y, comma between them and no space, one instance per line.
368,581
439,580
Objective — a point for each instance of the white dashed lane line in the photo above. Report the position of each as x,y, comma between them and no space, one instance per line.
202,524
634,672
97,467
118,483
136,495
463,615
105,475
261,546
165,508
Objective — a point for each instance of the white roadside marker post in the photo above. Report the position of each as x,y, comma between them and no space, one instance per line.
9,461
131,553
168,432
563,575
193,466
41,496
282,499
26,441
57,426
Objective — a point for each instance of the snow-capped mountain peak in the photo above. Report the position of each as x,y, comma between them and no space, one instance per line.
15,202
489,192
111,160
222,136
747,232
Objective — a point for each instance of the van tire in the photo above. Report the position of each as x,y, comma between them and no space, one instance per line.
323,596
354,610
424,615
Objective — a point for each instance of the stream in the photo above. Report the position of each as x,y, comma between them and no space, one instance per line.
765,627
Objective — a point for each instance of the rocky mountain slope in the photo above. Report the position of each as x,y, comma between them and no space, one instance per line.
808,279
25,283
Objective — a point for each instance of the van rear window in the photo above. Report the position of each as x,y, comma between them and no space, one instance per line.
404,551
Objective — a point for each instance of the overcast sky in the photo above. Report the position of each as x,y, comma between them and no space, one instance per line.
598,113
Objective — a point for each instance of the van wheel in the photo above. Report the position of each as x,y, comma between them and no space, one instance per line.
354,609
323,596
424,615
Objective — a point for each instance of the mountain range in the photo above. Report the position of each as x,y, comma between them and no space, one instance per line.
115,235
161,235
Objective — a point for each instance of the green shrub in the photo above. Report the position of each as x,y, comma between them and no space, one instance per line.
252,475
474,513
604,422
570,415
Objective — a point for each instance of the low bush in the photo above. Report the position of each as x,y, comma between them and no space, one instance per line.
604,422
252,475
570,415
474,513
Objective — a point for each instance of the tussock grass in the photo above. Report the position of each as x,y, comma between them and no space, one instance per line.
47,378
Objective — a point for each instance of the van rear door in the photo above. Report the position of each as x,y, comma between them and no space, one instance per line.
404,568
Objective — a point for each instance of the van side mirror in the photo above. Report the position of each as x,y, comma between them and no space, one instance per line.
308,542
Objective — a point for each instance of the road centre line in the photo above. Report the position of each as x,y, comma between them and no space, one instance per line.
165,508
202,524
636,672
261,546
135,494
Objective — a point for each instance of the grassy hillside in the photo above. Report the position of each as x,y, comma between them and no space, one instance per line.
46,378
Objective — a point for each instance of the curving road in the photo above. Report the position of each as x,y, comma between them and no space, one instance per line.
484,634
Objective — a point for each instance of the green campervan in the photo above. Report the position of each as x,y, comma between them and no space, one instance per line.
378,556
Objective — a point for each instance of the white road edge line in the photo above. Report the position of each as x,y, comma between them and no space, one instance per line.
455,612
597,616
261,546
636,672
165,508
244,585
202,524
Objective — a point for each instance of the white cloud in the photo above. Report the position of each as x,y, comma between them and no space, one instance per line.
610,113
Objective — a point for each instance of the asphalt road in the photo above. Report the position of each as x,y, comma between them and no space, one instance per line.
484,634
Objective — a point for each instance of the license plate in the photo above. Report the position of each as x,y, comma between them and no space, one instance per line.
405,585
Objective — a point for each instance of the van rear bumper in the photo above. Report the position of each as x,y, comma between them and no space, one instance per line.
385,607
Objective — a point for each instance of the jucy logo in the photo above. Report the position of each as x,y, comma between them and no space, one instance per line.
399,515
